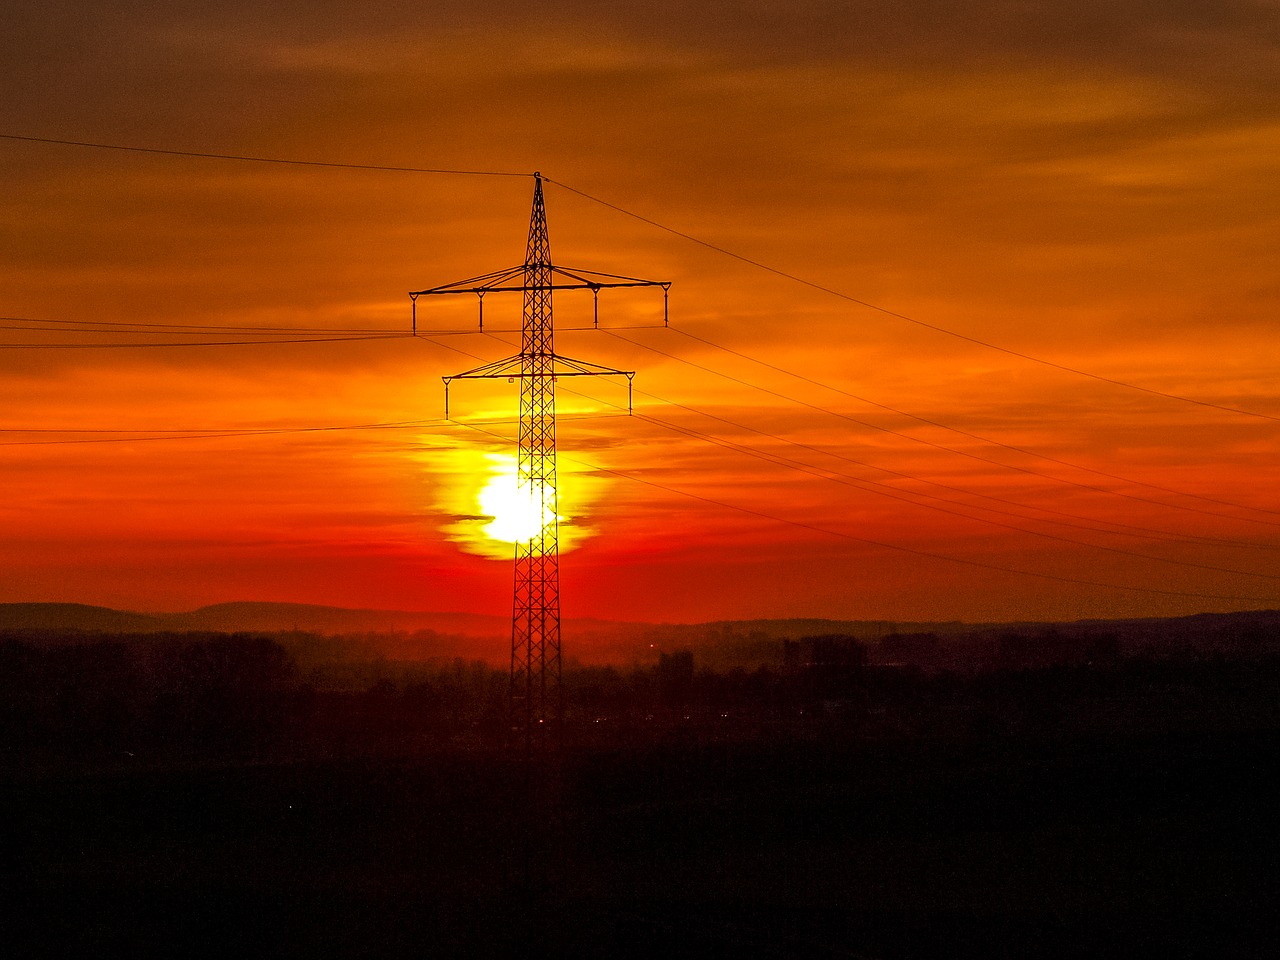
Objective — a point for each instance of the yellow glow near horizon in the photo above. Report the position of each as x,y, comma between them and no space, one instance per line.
519,511
490,514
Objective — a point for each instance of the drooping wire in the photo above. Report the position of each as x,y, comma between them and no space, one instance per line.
897,494
202,343
660,226
150,436
962,453
903,497
1090,523
386,168
964,433
654,223
986,344
884,544
139,327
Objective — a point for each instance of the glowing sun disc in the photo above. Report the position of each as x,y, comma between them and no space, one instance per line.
519,511
487,514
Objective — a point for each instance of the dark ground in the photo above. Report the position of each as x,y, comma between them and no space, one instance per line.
1021,846
206,794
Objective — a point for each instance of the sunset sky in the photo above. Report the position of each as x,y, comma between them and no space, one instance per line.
973,311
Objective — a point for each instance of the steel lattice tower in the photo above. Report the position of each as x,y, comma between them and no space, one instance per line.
535,612
535,698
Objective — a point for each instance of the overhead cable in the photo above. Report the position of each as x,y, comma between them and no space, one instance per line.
831,291
826,531
386,168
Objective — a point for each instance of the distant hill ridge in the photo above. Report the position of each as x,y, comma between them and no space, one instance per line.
243,617
73,616
268,617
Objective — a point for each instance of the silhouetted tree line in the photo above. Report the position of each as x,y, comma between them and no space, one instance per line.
986,650
189,694
165,697
211,697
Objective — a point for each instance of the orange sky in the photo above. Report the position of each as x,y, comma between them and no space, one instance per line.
1089,184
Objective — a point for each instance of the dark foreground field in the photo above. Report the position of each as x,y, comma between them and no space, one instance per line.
1094,846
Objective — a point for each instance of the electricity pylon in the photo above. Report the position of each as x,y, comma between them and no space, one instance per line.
535,698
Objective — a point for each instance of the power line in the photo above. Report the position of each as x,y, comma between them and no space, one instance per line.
1141,532
205,433
1091,524
258,159
965,433
902,316
223,433
894,546
139,328
118,328
144,436
163,431
202,343
939,446
660,226
907,496
861,485
110,327
123,435
52,325
902,496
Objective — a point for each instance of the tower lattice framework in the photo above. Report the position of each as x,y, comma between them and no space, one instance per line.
535,611
535,697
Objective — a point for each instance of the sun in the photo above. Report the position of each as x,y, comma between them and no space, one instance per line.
519,511
486,513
